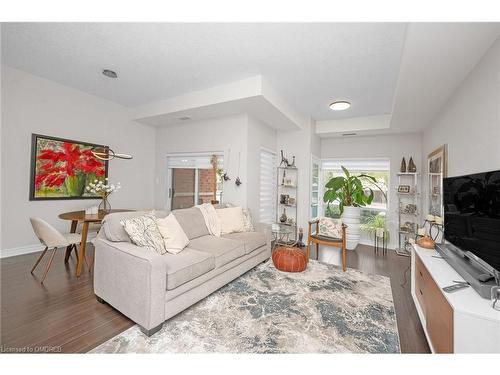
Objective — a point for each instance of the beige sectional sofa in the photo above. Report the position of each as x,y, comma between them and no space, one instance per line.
150,288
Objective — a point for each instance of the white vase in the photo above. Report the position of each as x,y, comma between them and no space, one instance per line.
351,217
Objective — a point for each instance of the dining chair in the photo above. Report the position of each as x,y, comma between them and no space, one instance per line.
315,237
51,238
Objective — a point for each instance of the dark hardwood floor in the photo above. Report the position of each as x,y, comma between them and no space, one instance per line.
63,314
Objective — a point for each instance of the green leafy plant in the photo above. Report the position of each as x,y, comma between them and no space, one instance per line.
375,222
348,190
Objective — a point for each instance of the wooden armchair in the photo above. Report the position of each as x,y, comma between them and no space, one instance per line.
316,238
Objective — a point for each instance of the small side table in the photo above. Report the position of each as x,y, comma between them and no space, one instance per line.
281,235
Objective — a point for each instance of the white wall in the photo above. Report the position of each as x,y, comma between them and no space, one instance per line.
259,136
240,134
470,121
218,134
393,147
34,105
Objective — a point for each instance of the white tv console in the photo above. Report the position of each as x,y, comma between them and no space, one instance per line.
460,322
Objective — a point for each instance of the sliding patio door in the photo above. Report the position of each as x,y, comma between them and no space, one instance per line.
192,180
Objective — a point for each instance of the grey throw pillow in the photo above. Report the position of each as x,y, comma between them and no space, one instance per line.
144,232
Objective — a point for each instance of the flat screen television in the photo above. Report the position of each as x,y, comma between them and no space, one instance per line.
472,215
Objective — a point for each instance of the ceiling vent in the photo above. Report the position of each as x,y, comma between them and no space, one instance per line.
184,118
348,134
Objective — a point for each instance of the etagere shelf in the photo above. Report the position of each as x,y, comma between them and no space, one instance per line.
286,199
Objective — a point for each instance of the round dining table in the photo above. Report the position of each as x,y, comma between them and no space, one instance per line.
80,217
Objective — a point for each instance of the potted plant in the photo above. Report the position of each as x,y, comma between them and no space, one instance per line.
376,224
349,192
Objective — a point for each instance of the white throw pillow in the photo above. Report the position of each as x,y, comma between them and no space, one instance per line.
329,227
231,220
173,235
144,232
247,218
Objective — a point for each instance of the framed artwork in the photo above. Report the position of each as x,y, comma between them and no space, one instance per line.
62,168
403,188
437,167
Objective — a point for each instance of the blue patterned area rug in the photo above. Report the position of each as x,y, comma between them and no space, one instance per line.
321,310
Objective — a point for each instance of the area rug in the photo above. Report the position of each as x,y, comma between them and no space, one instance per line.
321,310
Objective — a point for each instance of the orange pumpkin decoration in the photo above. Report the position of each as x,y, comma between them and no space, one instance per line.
289,259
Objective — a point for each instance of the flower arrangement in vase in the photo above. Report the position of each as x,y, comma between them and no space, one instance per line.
104,190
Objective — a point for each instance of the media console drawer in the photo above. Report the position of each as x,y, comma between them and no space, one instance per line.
436,309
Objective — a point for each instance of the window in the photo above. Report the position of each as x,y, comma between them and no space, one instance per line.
267,196
377,168
192,180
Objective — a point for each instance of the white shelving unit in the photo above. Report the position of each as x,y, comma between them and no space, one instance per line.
405,215
287,184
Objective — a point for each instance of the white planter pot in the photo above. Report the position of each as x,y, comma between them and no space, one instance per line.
351,217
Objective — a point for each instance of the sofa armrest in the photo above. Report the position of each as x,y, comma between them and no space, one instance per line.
131,279
265,228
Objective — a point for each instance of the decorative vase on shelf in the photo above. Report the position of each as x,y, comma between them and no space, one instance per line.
411,166
104,205
283,217
402,168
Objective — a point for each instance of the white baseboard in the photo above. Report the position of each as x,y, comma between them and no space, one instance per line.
21,250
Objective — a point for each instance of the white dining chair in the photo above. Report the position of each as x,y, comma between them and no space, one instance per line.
51,238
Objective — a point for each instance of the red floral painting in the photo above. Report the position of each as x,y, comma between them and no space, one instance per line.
61,168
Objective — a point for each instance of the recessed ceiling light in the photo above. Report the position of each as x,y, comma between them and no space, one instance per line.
348,134
109,73
184,118
340,105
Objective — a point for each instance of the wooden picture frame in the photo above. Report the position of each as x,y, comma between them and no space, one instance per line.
62,168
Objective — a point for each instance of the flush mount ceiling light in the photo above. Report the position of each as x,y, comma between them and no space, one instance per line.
340,105
109,73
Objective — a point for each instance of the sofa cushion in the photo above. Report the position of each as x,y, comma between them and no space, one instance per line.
186,266
251,240
192,222
224,250
143,231
114,230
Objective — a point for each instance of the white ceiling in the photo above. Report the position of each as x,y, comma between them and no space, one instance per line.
396,75
310,65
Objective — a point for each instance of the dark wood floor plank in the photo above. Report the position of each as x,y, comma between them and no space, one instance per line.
65,313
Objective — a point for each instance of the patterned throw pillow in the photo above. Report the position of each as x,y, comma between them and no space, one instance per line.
247,219
144,232
329,227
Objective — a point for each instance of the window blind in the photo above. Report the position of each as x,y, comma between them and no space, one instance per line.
356,165
267,200
194,161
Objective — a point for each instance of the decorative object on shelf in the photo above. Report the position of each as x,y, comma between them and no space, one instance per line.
289,259
290,221
410,208
105,153
291,201
412,168
348,190
402,168
404,188
408,227
284,161
293,162
283,217
300,242
284,198
238,181
61,168
437,167
283,178
104,191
